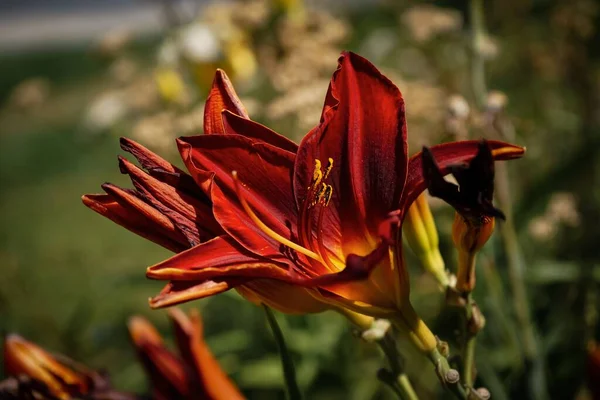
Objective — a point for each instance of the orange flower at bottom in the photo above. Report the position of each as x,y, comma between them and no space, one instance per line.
42,375
195,374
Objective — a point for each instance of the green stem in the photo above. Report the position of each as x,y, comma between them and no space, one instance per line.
509,235
449,378
468,375
469,361
401,383
477,61
520,299
289,372
406,389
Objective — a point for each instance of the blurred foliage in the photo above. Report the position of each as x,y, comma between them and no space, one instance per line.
70,279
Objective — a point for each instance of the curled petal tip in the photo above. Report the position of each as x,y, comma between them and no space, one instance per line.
152,273
508,152
94,202
152,302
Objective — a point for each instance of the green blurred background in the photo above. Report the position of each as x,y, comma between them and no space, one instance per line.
71,279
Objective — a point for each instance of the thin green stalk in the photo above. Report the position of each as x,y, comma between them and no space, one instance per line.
399,382
449,377
509,236
470,335
477,61
516,273
469,361
406,389
289,372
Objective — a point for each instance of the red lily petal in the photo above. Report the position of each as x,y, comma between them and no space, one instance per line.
365,134
222,96
449,154
202,177
193,217
207,379
235,124
165,370
143,224
284,297
264,170
178,292
162,169
218,258
129,200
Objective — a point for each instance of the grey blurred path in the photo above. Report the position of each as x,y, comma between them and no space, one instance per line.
37,24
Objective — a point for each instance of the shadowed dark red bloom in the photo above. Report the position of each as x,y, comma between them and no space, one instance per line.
193,374
472,199
37,374
321,217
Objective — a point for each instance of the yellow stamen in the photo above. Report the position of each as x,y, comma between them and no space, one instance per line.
327,195
328,168
318,195
268,231
317,175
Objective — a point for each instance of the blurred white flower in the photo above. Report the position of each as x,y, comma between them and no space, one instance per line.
542,229
458,107
496,101
488,47
104,111
563,208
199,43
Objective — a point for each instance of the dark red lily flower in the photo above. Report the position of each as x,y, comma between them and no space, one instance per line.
476,182
193,374
472,199
171,209
37,374
320,215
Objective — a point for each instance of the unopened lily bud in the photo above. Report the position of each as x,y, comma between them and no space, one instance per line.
469,236
422,237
